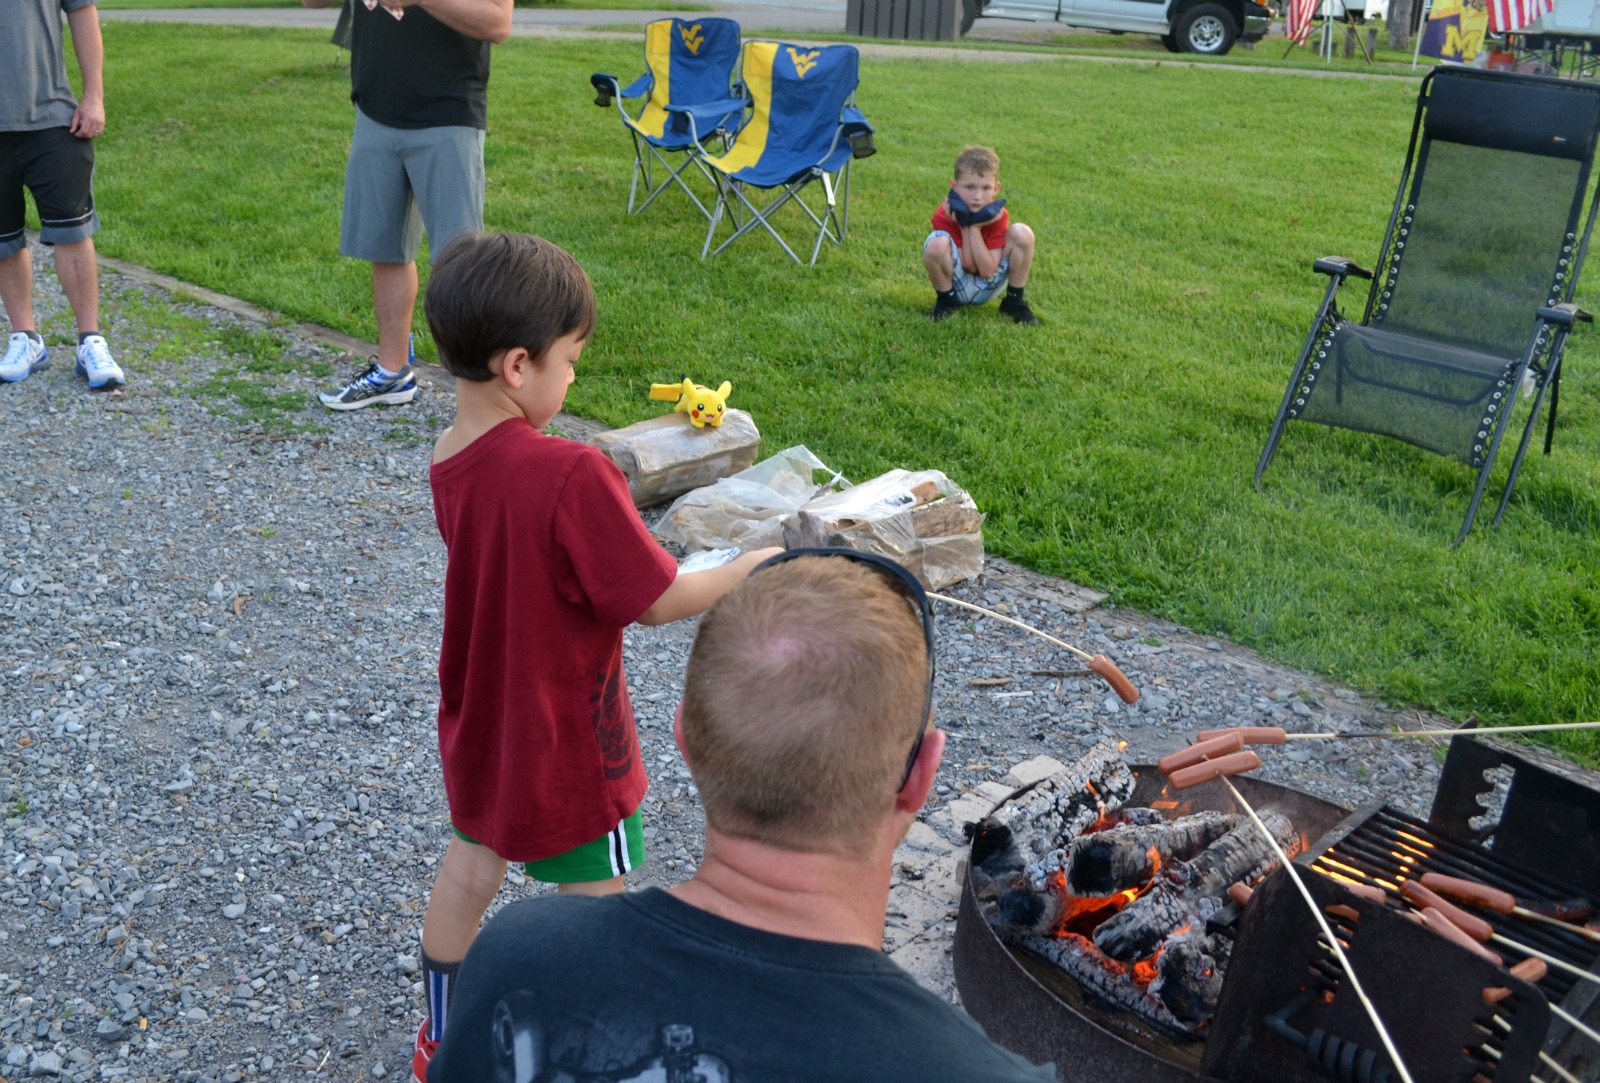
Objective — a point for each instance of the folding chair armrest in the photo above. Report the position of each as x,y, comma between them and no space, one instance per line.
705,117
639,87
1340,267
1565,315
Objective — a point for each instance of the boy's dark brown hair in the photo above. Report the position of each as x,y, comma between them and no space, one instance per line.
978,161
491,292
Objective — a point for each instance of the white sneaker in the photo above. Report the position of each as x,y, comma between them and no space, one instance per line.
96,366
24,355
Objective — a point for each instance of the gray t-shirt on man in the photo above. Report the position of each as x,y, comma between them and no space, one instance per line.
34,92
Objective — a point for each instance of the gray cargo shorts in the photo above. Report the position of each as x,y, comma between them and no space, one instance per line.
400,180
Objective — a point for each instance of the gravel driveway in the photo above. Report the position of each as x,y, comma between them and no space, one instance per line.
219,612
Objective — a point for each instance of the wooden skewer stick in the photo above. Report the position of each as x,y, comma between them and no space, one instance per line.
1098,663
1493,899
1327,932
1479,931
1549,1062
1275,735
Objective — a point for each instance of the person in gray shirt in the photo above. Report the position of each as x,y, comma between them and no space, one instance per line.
46,147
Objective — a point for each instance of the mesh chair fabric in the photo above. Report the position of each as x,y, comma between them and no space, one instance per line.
1431,394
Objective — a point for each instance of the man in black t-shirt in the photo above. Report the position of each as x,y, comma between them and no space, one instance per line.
804,723
419,77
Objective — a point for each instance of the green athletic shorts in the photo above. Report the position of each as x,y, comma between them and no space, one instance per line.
618,851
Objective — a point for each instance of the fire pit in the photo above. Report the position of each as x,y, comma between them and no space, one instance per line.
1283,1015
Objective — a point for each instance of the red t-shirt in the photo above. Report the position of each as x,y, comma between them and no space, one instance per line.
548,563
994,230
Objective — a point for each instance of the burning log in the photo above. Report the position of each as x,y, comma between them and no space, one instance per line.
1189,975
1045,818
1110,981
1178,895
1119,858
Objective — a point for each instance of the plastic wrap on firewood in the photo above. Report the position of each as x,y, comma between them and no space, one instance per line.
1046,817
1119,858
1189,975
1175,898
1100,977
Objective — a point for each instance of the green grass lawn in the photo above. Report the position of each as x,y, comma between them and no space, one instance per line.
1178,211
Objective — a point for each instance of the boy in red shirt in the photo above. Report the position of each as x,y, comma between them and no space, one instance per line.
975,248
548,563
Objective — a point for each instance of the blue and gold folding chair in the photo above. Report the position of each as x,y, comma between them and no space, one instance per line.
687,62
803,126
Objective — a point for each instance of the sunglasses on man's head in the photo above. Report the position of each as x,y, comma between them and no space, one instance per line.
903,581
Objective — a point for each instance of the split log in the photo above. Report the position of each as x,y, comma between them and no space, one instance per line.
1060,806
1179,895
1189,975
1119,858
1044,818
1099,977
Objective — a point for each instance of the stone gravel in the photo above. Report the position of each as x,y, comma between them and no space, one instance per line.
219,783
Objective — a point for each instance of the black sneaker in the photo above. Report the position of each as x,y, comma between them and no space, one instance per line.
1017,308
373,385
943,310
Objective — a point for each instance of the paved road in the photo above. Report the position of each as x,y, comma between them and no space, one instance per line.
778,16
816,15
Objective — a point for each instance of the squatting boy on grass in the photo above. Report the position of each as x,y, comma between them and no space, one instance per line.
1112,445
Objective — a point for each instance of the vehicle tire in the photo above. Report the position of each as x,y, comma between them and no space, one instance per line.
1206,29
1171,43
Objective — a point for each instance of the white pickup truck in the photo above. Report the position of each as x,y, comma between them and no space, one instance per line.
1184,26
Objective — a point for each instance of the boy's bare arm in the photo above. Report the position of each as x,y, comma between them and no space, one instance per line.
985,260
696,592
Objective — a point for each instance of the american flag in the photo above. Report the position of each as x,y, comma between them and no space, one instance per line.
1297,22
1508,15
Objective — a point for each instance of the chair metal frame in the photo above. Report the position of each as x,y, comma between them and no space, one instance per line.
1551,323
649,152
832,223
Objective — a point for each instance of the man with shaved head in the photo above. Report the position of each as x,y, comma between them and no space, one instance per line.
806,725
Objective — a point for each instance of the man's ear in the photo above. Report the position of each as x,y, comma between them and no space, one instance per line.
915,792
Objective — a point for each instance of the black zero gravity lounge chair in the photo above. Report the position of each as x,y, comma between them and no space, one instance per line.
1474,284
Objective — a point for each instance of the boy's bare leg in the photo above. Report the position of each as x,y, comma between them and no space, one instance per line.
468,881
939,259
80,281
394,301
1019,251
16,290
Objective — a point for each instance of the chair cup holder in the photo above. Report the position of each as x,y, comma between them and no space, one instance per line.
861,145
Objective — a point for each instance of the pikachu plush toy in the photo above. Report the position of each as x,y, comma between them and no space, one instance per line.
703,405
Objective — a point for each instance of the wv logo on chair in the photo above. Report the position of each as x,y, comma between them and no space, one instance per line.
686,64
803,62
801,127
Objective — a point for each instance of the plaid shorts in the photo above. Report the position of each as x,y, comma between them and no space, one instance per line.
968,287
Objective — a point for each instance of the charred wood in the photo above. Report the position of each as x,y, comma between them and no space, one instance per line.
1119,858
1189,976
1177,897
1098,976
1057,808
1044,818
